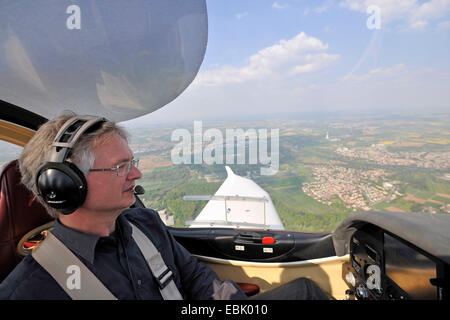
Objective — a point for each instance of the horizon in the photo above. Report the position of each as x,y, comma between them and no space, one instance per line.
292,116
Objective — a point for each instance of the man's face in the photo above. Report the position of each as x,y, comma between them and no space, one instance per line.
106,191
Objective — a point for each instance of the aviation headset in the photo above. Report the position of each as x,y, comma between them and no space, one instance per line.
59,182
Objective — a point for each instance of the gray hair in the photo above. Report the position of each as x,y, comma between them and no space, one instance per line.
37,151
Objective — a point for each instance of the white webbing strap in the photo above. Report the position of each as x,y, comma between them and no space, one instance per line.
57,259
162,274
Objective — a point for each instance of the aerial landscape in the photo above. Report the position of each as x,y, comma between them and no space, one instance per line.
327,169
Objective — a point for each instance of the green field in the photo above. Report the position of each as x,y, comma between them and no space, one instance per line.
416,189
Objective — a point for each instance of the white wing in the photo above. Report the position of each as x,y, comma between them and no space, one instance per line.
238,203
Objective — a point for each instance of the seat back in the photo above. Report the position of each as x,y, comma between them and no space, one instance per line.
19,213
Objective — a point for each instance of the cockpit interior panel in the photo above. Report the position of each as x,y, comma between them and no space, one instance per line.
385,267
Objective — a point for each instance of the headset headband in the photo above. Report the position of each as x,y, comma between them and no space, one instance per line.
69,134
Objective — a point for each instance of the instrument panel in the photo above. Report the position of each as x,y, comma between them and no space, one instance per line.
385,267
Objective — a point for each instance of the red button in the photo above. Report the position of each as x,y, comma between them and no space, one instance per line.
268,240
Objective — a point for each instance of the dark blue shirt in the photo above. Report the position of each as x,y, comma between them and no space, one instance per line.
118,263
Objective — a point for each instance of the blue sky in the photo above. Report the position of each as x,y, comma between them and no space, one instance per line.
268,57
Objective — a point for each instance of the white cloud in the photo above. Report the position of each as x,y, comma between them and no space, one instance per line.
315,62
241,15
416,15
419,24
444,25
277,5
320,9
377,74
394,88
433,9
390,89
300,54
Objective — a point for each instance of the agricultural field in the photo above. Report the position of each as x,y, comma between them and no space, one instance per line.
327,170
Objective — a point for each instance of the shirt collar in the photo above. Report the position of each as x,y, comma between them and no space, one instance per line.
79,242
84,244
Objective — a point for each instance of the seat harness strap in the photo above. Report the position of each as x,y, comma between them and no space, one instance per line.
162,274
62,265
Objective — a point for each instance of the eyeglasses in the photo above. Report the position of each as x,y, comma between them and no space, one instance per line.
121,169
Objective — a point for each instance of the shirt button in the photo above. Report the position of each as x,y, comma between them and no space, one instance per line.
139,282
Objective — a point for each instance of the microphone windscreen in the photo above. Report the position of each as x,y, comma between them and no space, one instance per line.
138,190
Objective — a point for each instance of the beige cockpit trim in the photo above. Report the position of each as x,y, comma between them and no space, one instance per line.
15,134
326,272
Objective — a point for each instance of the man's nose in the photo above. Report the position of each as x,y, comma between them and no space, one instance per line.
134,173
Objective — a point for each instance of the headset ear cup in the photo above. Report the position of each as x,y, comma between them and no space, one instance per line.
62,186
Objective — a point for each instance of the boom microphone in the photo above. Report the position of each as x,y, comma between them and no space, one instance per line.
138,190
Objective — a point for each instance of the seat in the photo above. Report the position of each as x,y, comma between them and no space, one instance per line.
19,213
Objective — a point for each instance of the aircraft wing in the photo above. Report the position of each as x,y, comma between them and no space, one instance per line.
239,202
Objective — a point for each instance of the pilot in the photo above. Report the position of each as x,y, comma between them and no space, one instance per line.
84,173
100,230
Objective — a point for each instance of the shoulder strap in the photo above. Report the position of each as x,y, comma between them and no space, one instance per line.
56,258
162,274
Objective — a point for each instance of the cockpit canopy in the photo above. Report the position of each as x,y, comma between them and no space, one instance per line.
117,59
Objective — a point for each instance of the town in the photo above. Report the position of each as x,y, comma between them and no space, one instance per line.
380,154
358,189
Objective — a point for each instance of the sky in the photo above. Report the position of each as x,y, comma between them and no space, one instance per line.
287,56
